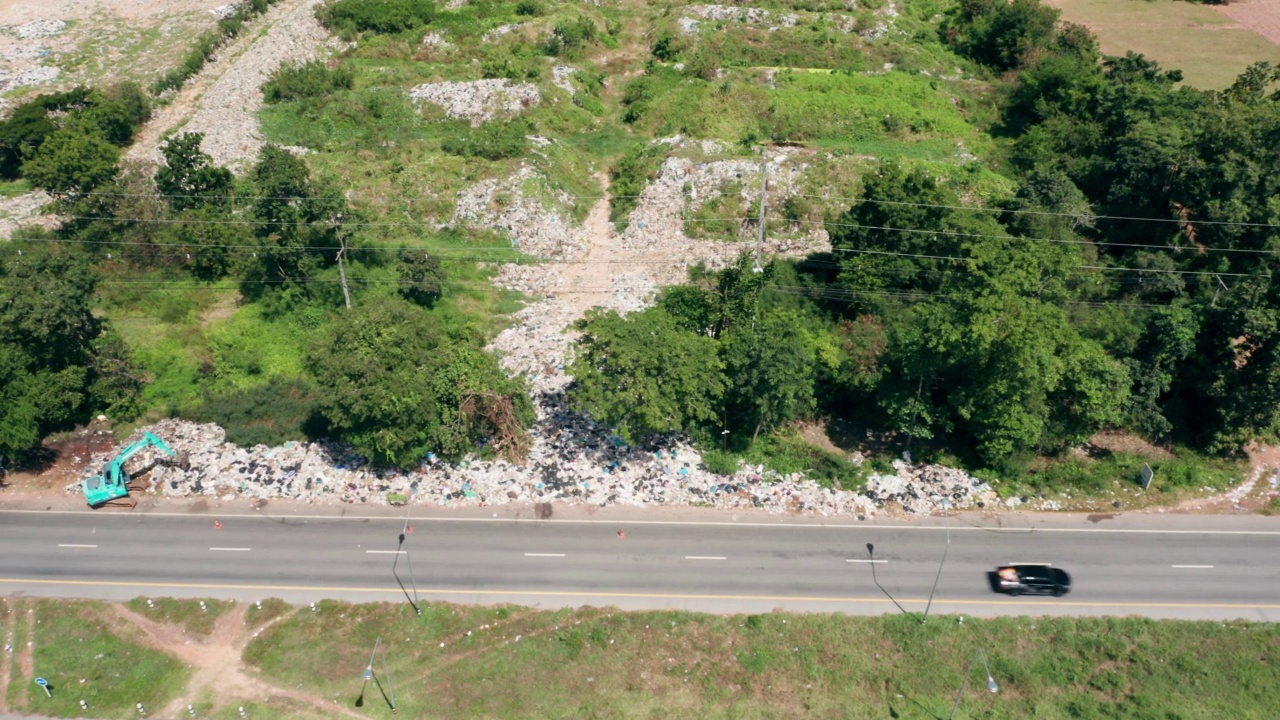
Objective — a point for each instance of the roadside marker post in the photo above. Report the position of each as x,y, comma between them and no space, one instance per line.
44,685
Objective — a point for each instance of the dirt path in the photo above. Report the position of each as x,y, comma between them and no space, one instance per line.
26,654
216,662
222,101
588,281
6,657
1259,16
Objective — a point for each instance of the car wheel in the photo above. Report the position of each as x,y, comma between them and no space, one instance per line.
1059,592
1015,592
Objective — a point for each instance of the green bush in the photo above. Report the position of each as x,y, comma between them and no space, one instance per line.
570,37
529,8
491,141
629,177
303,80
282,409
379,16
719,463
788,454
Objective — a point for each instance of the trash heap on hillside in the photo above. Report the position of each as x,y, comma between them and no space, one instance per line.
578,462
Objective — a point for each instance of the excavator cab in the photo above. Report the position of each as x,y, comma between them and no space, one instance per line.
112,486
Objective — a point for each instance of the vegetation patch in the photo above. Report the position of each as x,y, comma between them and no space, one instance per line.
504,661
83,659
195,617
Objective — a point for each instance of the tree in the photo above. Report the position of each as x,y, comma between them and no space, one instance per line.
997,361
73,161
395,386
901,233
771,369
421,277
297,224
48,359
34,400
188,177
644,375
1001,34
21,135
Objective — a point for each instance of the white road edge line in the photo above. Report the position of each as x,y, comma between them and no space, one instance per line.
544,554
72,545
1008,530
1193,567
878,562
219,549
704,557
386,552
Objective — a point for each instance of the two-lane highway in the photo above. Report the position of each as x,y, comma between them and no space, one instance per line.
1159,568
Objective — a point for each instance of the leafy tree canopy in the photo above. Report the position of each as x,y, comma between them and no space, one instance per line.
643,374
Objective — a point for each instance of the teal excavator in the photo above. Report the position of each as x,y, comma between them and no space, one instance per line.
112,486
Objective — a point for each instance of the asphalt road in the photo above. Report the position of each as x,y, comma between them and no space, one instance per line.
1211,568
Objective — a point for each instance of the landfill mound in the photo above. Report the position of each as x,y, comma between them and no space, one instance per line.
574,461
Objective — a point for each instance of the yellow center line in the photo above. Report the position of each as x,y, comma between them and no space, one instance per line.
629,595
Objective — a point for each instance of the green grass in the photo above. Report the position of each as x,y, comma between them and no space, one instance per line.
1185,474
185,613
265,611
1209,47
608,664
14,188
836,111
83,660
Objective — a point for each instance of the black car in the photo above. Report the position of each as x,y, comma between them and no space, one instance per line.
1027,578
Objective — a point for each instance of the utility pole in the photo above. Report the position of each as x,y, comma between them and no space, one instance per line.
764,187
391,690
342,271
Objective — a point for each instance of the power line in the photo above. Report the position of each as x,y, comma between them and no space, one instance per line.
961,258
849,200
1040,212
953,233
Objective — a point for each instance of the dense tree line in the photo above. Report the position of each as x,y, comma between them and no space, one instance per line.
1127,283
388,376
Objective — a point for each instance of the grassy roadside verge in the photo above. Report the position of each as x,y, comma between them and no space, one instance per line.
83,660
516,663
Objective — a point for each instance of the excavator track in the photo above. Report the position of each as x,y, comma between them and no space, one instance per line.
124,503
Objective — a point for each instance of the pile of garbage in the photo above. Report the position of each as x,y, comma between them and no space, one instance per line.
436,40
478,100
694,15
745,15
560,75
574,461
500,31
39,29
501,204
30,76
